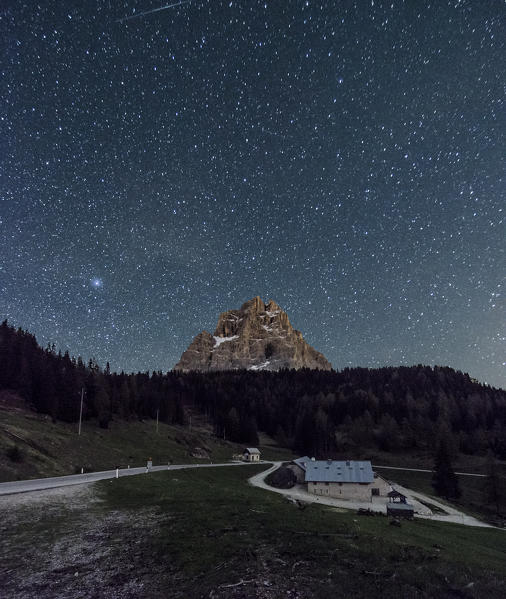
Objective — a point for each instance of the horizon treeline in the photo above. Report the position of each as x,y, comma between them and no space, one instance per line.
51,383
321,413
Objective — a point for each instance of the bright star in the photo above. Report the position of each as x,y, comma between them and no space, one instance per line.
96,283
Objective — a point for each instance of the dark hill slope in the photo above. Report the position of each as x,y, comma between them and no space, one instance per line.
390,409
313,411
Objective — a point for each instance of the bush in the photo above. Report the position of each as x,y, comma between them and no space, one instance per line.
282,478
15,454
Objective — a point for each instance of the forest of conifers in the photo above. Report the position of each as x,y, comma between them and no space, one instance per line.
316,412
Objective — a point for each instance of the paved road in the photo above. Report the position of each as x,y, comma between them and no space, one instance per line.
299,493
422,470
23,486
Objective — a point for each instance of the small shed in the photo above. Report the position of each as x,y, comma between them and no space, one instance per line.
251,454
400,510
298,467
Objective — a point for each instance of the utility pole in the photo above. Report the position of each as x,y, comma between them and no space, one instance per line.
81,411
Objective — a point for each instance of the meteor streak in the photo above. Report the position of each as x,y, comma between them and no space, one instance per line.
148,12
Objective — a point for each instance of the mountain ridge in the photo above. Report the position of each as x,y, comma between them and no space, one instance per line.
258,336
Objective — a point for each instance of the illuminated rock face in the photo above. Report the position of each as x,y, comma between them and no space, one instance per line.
258,336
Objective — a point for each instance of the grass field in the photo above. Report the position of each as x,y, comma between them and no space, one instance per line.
472,501
243,517
207,533
51,449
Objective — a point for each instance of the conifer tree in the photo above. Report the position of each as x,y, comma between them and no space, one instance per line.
493,483
102,405
444,479
232,426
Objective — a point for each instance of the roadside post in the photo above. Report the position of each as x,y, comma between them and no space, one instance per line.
81,411
117,472
149,465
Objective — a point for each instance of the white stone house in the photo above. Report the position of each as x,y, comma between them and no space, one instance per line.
251,454
342,479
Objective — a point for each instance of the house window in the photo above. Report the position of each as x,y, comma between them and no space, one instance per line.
375,491
327,484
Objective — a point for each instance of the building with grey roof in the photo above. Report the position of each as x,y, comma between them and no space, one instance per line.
348,479
301,462
339,472
298,467
251,454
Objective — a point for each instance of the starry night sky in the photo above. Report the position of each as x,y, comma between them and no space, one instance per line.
345,159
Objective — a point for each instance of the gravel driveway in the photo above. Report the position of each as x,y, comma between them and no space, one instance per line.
379,505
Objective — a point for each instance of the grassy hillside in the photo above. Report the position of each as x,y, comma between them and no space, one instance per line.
474,499
192,534
44,448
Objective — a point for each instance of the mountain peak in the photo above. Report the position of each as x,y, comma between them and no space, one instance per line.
258,336
255,304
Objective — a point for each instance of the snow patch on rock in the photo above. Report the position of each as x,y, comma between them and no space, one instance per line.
220,340
260,366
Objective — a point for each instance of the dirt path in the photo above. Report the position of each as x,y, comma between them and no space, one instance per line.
426,470
299,493
453,515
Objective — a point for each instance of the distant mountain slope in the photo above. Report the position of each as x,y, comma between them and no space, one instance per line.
258,336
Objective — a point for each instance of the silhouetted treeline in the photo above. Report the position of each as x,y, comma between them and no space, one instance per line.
396,408
51,383
315,412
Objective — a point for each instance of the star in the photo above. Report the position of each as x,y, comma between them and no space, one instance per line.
160,167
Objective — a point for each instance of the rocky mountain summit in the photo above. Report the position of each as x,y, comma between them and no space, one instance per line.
258,336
